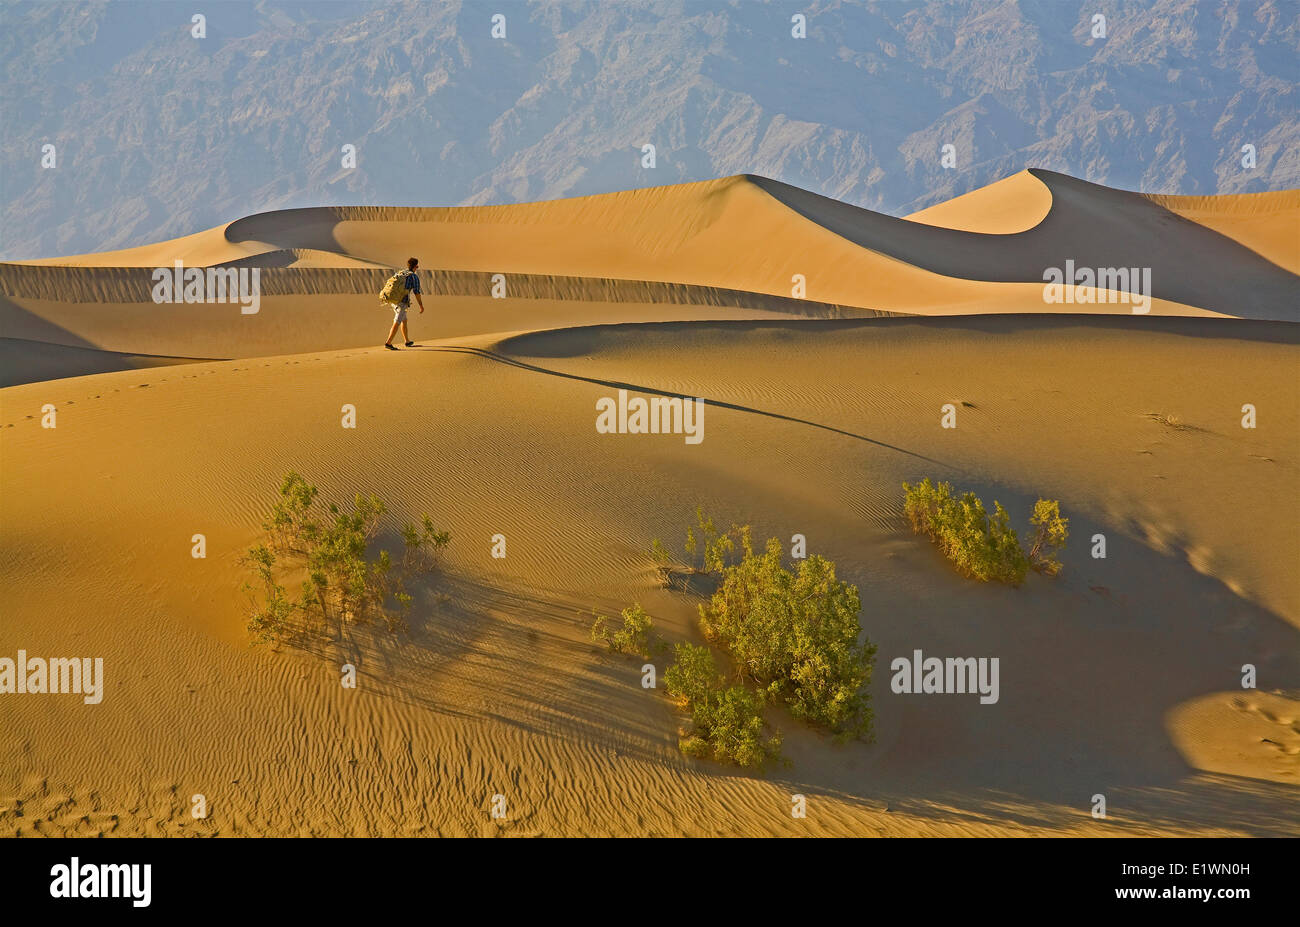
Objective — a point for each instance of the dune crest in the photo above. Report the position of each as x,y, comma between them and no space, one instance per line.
1013,204
986,251
820,403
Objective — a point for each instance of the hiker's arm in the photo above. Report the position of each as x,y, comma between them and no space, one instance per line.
420,299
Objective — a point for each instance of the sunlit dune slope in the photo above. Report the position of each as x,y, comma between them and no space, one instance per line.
744,234
1266,223
289,323
1090,226
1013,204
1117,676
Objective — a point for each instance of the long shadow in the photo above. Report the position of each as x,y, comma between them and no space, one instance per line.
547,343
462,655
462,660
34,349
1093,662
735,407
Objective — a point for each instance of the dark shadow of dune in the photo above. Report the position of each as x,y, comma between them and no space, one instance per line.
288,257
17,323
283,257
287,229
33,349
582,340
650,390
35,361
1089,675
468,636
1092,225
1058,736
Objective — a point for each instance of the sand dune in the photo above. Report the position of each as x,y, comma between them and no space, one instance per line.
201,249
1011,205
331,321
1121,676
497,688
1266,223
31,361
1092,226
742,235
300,258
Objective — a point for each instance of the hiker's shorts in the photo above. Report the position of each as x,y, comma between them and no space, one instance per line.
399,312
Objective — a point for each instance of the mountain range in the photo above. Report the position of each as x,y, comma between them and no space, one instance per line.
158,134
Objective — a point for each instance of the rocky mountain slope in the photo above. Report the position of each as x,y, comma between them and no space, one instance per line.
159,134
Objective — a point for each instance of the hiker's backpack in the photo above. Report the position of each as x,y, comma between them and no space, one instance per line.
395,289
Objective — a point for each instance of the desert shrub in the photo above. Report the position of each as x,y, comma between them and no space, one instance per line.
923,502
980,546
726,721
796,634
422,546
290,525
343,584
1050,536
692,676
634,635
269,620
715,548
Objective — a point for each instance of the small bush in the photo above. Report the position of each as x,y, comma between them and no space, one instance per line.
343,584
270,621
796,635
693,676
714,548
1050,536
981,546
290,525
634,637
727,721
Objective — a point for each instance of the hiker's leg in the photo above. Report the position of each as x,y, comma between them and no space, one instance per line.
406,336
399,319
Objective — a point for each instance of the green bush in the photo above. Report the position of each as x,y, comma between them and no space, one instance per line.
343,583
796,634
727,721
270,620
634,637
660,553
981,546
1050,536
715,548
290,525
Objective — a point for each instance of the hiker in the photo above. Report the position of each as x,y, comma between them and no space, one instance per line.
397,293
